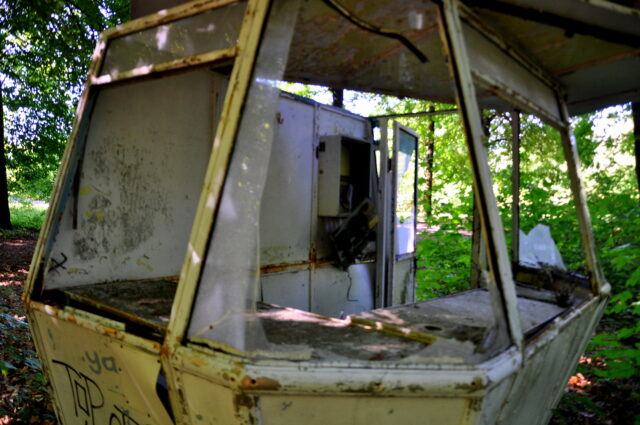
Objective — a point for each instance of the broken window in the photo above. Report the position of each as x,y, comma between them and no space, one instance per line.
122,228
310,239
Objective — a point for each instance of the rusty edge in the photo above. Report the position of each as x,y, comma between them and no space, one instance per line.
300,265
187,61
128,317
97,324
164,16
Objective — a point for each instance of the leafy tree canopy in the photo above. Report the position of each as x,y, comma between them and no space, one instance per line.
46,48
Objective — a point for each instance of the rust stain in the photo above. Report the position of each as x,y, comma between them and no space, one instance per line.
266,384
242,400
165,351
473,386
275,268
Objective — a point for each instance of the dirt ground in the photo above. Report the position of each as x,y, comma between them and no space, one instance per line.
24,397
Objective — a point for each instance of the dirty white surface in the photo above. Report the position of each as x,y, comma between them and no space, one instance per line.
147,149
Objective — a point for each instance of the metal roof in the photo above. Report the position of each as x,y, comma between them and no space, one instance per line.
590,48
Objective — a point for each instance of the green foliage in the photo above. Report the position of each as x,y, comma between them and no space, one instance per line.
575,403
26,215
46,47
443,260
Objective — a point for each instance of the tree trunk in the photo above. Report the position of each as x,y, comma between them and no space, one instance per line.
635,108
5,215
428,173
338,97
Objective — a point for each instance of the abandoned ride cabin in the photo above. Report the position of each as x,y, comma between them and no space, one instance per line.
218,251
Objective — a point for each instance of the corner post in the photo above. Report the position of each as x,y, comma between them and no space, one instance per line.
501,285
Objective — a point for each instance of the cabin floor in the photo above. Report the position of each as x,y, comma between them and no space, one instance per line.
454,329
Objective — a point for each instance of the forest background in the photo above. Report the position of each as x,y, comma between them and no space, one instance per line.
45,50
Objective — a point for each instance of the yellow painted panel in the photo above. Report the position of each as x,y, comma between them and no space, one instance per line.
99,379
314,410
208,403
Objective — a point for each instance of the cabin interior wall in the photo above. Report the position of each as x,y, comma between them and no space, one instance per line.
297,258
134,204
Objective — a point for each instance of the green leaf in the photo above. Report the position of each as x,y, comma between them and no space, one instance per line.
5,367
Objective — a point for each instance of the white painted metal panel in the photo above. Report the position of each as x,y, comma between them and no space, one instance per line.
285,216
332,121
488,61
329,172
288,289
403,281
547,360
337,293
147,150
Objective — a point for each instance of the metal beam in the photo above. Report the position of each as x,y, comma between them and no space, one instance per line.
515,187
600,19
428,113
599,285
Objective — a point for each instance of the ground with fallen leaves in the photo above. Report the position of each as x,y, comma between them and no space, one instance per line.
24,398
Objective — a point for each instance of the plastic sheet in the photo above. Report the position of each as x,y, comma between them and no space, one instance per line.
538,249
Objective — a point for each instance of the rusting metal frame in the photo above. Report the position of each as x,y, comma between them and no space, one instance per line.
200,59
97,324
165,16
416,114
514,98
515,187
391,218
382,242
313,378
129,317
606,20
497,39
508,94
501,285
313,253
599,285
64,181
70,161
240,80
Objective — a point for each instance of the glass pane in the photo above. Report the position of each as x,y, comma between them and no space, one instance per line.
406,191
225,303
212,30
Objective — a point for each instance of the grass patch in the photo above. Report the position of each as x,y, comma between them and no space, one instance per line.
25,214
